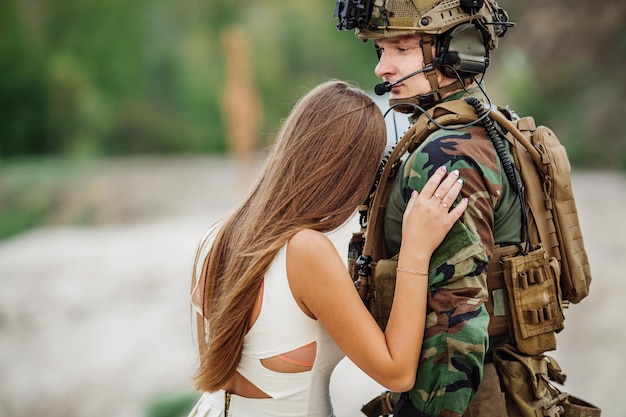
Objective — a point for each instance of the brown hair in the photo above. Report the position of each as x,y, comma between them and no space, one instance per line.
318,172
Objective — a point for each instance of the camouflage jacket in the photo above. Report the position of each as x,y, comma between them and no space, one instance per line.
456,339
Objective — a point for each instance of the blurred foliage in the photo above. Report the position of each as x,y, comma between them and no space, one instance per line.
35,191
116,77
172,405
563,63
107,78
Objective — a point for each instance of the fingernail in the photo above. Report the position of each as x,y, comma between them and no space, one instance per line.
460,181
455,172
443,168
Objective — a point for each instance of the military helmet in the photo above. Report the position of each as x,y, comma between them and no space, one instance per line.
375,19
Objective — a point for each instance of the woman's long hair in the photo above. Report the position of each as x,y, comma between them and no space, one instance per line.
320,169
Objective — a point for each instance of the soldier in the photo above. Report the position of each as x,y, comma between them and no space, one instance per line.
434,51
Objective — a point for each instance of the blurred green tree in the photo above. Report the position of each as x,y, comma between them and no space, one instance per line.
110,78
22,86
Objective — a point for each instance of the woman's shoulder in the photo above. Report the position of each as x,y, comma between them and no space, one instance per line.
313,266
307,240
310,246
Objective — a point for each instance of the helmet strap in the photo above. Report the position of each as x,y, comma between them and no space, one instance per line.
425,101
427,43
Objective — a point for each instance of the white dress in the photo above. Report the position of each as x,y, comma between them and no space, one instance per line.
281,327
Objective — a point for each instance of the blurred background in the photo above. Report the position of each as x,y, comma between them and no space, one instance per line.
89,80
127,128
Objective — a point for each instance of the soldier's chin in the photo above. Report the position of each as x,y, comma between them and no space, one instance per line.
403,105
405,109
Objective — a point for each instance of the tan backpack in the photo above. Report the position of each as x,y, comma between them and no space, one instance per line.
545,170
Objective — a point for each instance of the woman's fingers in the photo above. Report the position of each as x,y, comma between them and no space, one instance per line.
441,190
447,193
433,182
429,215
444,187
449,189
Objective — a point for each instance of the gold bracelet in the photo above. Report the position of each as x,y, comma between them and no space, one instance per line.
412,271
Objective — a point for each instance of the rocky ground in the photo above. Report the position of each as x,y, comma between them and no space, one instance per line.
95,321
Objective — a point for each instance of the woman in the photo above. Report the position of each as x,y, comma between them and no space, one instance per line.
279,306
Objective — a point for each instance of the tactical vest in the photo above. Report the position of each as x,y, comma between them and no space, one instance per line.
529,285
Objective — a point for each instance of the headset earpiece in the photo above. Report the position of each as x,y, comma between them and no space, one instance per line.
463,52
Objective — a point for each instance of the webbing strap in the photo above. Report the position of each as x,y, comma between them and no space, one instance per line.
496,303
374,220
427,43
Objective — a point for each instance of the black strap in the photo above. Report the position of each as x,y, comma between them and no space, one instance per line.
404,408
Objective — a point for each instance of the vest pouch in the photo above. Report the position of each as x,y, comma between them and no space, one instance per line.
384,273
526,382
533,292
575,407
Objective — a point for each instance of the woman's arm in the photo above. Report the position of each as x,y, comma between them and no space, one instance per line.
324,290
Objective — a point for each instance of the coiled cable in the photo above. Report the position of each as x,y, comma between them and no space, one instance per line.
507,163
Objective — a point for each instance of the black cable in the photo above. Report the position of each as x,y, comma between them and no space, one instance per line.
379,173
451,127
507,164
433,121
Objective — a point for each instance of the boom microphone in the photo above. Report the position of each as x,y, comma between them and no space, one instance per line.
386,87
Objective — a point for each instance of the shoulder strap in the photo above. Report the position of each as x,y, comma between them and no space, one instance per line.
511,128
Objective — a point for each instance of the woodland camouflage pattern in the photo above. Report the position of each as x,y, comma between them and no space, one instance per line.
456,339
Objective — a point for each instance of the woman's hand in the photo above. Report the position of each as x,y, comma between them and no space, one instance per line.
428,216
